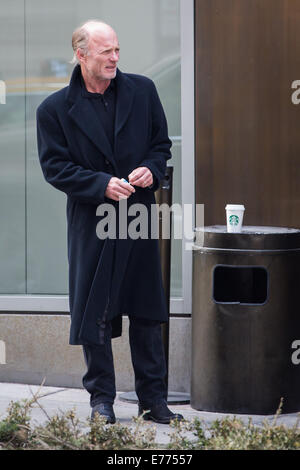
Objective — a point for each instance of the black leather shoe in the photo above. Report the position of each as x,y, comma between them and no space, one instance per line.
104,409
160,413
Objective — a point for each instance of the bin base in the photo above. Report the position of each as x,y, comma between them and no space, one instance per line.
254,409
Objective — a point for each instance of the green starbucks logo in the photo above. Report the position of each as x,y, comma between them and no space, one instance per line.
234,220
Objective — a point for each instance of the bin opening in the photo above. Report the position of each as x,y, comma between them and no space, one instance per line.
240,284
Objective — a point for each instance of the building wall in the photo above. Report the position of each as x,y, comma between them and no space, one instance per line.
247,124
36,348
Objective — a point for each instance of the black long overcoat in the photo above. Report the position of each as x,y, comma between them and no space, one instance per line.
107,277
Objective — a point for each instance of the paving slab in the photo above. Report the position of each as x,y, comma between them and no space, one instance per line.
55,400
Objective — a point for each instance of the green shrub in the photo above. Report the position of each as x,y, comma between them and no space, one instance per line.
65,431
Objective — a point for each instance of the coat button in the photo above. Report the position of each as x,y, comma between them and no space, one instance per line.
107,162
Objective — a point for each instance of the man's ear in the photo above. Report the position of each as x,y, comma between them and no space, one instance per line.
81,55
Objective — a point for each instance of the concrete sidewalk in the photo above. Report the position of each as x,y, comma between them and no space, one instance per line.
55,400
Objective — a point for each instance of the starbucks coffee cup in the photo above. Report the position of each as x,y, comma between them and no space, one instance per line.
234,217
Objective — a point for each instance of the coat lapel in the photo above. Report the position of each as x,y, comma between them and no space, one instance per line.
84,115
125,97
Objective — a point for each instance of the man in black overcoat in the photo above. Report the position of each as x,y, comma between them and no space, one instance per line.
107,126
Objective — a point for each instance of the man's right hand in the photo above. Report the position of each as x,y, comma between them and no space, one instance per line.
117,189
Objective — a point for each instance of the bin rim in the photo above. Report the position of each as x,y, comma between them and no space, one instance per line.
257,238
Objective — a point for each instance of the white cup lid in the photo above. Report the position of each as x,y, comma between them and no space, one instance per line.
235,207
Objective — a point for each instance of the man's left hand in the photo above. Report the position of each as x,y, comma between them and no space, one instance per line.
141,176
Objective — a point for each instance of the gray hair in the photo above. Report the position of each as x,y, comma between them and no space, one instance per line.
81,35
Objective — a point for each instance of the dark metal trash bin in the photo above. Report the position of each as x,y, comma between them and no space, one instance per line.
246,315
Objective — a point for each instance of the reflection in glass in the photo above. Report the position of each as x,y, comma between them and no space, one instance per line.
12,150
37,63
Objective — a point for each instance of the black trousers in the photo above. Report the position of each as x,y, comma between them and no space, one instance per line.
148,360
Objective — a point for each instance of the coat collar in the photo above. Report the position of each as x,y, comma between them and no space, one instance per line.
85,116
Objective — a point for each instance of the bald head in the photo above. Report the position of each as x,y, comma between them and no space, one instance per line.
86,32
94,26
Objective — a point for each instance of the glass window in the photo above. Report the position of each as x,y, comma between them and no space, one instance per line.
35,61
12,149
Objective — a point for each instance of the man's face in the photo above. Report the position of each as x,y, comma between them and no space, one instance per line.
103,54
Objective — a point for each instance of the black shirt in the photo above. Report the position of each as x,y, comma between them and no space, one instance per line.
104,105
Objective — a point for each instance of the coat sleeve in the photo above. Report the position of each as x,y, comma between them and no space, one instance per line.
159,151
59,170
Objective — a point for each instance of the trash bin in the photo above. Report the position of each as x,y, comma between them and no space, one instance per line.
245,318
